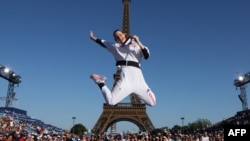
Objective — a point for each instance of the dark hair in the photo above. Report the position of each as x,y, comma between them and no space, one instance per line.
116,31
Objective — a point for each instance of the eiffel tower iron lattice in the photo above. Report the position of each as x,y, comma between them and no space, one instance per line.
135,111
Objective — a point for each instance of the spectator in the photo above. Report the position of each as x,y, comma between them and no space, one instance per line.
2,136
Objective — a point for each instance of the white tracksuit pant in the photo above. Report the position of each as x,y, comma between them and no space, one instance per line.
131,81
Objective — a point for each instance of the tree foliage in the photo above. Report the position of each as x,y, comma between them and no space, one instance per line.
197,126
78,129
157,130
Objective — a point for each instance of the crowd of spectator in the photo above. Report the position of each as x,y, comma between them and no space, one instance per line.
13,125
20,127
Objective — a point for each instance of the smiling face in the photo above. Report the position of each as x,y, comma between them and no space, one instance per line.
119,36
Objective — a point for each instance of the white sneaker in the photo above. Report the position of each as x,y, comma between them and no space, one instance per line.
98,78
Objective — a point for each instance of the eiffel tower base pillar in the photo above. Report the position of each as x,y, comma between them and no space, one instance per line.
123,112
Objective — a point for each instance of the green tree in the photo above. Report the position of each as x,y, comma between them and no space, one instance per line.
176,129
196,126
78,129
157,130
199,125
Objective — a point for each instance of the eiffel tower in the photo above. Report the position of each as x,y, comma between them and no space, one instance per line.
135,111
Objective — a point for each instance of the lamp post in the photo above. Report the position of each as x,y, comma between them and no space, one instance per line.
182,121
241,82
74,118
13,79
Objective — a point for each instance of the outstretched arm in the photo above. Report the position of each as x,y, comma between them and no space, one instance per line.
95,39
143,48
91,35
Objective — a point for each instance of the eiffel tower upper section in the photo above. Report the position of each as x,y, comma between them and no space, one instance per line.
126,28
126,22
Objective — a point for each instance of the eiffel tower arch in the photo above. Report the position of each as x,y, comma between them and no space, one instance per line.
133,111
123,112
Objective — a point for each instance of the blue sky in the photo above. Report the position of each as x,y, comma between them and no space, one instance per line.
198,47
